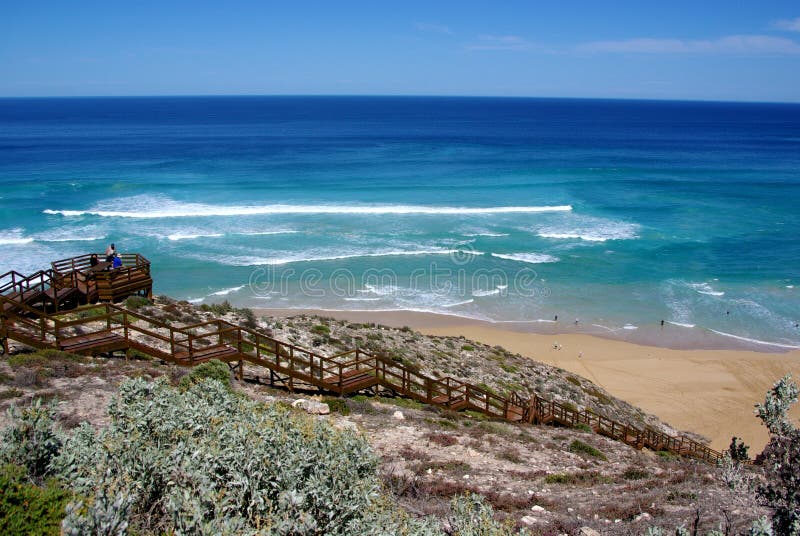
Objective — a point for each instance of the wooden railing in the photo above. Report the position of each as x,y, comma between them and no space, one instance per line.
346,372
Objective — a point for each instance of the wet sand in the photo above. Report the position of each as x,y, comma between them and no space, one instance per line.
707,391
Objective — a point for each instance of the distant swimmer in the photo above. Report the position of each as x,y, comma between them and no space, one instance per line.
555,318
662,323
576,321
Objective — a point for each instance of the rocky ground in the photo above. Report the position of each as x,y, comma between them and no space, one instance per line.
551,480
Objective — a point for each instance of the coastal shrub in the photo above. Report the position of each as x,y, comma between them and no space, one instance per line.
210,370
205,461
10,393
321,329
781,458
217,308
579,447
634,473
586,478
137,302
29,509
31,441
250,319
473,516
467,348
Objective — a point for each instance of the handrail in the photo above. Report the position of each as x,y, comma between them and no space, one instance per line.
327,372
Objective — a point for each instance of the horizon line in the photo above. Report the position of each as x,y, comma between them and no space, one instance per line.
378,95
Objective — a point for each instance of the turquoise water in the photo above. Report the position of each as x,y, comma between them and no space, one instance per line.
619,213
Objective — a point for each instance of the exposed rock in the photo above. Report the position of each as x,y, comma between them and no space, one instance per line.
398,415
587,531
312,407
537,508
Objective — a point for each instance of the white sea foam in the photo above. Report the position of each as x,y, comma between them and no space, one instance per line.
630,327
589,235
362,299
531,258
262,261
226,291
465,302
481,293
705,288
261,233
487,234
162,207
755,341
181,236
69,238
681,324
12,241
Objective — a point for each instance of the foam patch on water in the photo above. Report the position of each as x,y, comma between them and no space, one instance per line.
530,258
756,341
225,292
14,237
149,207
482,293
588,229
705,288
322,257
179,236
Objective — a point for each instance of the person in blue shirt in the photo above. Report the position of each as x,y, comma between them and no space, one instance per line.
117,262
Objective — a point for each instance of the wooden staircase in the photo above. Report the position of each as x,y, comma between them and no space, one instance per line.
106,328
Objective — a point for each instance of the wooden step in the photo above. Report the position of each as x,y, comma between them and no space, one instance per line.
223,352
94,343
351,381
514,413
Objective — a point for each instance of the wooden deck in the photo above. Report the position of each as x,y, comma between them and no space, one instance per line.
111,328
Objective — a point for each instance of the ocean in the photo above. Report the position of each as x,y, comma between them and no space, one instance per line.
617,214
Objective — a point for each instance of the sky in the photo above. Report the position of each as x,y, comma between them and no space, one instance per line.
707,50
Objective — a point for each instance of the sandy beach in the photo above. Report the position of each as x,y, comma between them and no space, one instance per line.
707,391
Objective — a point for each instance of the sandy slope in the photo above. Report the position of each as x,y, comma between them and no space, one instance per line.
710,392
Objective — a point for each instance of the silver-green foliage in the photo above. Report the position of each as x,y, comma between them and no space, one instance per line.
472,516
32,440
205,461
781,458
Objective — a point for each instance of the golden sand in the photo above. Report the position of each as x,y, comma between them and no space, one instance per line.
709,392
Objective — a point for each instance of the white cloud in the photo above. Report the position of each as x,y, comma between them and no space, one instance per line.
792,25
501,42
733,44
433,28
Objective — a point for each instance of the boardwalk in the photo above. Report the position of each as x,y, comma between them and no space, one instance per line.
107,328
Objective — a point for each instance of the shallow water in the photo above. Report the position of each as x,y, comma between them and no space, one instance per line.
617,213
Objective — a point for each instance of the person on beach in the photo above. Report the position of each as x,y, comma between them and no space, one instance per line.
111,252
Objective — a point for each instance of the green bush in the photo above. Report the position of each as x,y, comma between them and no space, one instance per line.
27,509
31,441
137,302
321,329
210,370
205,461
250,319
579,447
218,308
473,516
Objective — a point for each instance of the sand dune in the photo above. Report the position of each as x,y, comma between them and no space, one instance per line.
709,392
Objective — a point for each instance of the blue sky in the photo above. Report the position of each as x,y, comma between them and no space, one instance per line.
713,50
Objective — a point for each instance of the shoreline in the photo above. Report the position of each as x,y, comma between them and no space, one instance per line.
671,335
708,391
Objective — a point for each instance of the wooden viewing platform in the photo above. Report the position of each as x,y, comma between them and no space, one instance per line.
105,328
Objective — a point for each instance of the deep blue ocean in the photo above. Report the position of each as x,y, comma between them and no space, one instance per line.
617,213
